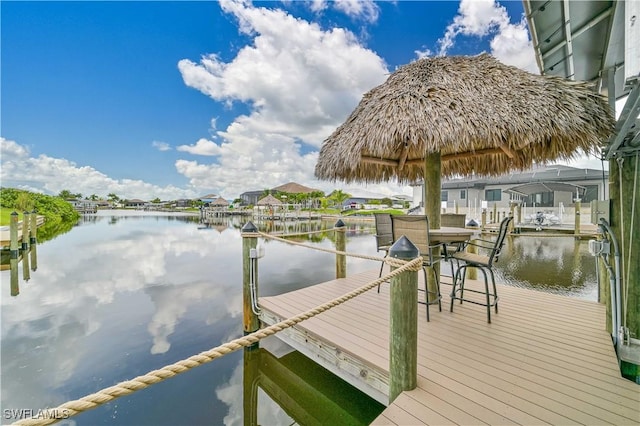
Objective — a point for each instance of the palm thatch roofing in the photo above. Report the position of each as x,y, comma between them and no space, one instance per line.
208,197
220,202
293,188
269,200
482,116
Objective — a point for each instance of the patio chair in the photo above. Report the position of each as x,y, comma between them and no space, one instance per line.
453,219
457,221
416,229
384,235
485,264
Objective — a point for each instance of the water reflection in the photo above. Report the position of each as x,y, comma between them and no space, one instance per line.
124,294
559,265
27,260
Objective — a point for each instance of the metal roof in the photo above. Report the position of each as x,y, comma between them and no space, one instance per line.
553,173
579,40
585,40
537,187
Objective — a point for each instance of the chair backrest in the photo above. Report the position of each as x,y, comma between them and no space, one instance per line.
384,232
415,228
453,219
502,233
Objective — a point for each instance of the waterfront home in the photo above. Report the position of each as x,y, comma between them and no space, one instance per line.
592,185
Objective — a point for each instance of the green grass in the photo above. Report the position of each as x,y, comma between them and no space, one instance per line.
5,216
356,212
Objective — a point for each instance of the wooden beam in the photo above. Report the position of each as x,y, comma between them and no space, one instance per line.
381,161
508,151
460,155
403,156
448,157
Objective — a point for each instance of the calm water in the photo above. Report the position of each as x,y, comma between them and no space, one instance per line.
125,293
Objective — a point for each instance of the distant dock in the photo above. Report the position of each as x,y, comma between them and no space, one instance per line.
5,237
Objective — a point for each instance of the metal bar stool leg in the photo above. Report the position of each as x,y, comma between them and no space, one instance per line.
426,291
488,295
464,278
438,295
495,291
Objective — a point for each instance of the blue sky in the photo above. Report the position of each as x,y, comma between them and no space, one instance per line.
181,99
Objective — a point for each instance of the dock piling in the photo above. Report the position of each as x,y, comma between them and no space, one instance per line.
341,245
26,272
25,231
578,205
250,321
34,227
403,333
13,235
33,254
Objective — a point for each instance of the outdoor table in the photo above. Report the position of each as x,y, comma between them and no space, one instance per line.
451,235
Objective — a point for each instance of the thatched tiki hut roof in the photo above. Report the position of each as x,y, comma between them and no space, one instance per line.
269,200
482,116
220,202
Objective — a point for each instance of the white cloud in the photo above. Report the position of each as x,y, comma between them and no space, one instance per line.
480,18
366,10
318,5
300,82
423,53
52,175
202,147
161,146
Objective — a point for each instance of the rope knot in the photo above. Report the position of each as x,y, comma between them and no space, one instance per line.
416,266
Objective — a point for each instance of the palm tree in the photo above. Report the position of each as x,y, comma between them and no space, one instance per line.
65,194
338,196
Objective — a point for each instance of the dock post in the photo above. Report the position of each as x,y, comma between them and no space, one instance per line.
13,235
341,245
250,381
33,254
484,219
34,227
403,333
15,287
512,207
25,231
26,273
250,319
578,205
14,253
494,218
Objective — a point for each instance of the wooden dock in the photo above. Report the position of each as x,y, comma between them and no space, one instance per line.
544,359
5,235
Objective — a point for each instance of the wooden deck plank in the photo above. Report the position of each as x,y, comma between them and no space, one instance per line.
544,396
454,395
544,358
399,416
382,420
498,336
453,414
423,412
543,409
514,414
598,393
